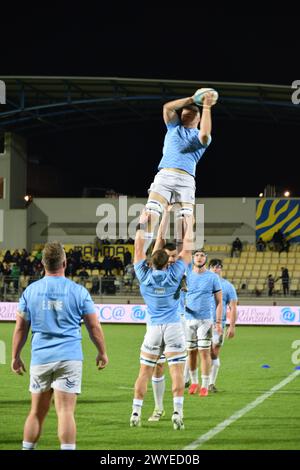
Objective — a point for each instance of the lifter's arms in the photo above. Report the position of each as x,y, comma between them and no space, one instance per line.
233,317
139,241
162,230
206,125
19,339
97,337
188,239
169,111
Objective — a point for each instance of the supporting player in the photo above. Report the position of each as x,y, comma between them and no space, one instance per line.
158,285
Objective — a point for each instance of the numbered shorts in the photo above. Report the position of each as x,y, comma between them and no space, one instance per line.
174,187
199,334
162,358
168,338
62,375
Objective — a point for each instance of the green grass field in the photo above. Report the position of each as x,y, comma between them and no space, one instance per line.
104,408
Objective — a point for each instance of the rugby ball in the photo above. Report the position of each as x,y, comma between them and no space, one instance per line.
199,95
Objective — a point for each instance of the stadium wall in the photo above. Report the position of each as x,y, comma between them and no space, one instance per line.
74,220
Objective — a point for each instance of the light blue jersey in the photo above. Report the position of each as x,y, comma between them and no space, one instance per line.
181,305
228,294
158,288
182,148
201,290
54,306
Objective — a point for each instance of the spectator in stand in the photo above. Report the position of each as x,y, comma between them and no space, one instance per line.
285,279
95,285
127,257
70,270
285,245
118,265
83,274
15,274
7,257
237,247
129,275
15,256
24,253
260,245
107,265
271,284
277,240
39,255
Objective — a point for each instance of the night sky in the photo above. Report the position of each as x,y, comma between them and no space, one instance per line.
192,44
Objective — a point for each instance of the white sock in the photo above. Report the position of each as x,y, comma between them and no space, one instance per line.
186,371
178,405
159,386
194,376
205,381
67,446
28,445
148,237
215,365
137,406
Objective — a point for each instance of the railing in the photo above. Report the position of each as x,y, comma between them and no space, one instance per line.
11,288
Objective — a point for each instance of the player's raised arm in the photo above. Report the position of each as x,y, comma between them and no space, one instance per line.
188,239
139,242
170,109
206,124
162,230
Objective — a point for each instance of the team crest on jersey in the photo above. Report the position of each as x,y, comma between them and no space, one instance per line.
160,291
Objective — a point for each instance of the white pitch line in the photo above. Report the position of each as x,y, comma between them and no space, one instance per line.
125,388
221,426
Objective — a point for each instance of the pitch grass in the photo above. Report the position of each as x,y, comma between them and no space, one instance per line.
104,408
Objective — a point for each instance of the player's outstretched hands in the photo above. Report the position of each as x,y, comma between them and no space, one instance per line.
208,99
144,217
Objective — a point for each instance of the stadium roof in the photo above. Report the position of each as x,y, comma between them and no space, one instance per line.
36,105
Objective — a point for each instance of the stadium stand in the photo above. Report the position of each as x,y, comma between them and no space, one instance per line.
108,275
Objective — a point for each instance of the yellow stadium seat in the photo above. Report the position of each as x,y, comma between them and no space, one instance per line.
255,275
230,274
247,274
238,274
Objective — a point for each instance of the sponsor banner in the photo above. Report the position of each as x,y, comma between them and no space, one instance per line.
108,313
8,311
267,315
136,313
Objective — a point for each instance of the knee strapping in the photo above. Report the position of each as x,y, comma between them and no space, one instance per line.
178,359
191,345
154,207
147,361
204,343
184,211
